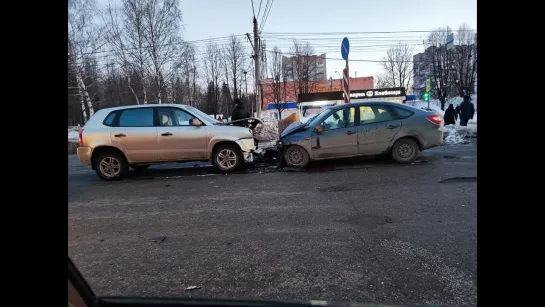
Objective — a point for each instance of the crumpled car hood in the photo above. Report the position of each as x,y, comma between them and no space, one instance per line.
294,127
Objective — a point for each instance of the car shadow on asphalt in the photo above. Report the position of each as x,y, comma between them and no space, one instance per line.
166,171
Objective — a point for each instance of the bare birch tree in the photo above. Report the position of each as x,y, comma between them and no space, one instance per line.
114,35
162,26
441,63
134,33
464,60
276,69
236,58
212,60
398,67
83,40
303,66
189,70
381,80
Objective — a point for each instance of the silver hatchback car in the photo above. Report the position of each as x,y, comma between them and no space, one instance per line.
138,136
362,129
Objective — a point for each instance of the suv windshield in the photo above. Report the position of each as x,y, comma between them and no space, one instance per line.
202,115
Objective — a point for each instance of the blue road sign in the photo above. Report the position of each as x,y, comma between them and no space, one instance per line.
345,48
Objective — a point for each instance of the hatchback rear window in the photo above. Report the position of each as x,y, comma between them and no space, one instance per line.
403,113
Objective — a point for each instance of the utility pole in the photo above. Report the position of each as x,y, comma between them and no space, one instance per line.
257,69
245,84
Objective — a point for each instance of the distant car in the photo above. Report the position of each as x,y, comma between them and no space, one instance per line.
362,129
138,136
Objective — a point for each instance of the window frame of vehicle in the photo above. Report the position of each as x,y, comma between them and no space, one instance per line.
172,111
119,113
388,108
335,111
399,116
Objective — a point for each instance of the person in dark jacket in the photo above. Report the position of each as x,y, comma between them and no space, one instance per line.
456,112
239,113
467,110
450,117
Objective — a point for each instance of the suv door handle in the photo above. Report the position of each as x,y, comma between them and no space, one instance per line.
120,135
350,132
166,134
391,127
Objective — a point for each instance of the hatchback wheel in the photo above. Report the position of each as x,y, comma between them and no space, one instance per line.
296,156
111,166
227,158
405,151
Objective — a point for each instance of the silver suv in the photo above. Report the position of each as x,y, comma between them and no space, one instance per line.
138,136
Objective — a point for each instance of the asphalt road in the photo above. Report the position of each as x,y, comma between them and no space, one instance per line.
367,231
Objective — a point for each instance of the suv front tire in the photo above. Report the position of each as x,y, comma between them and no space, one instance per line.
227,158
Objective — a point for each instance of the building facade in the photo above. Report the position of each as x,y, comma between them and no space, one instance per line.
289,90
422,68
315,66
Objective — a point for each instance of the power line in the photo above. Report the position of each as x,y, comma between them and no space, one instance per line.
353,60
266,15
164,45
351,33
259,10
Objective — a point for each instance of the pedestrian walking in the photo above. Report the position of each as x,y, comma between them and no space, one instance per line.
467,110
450,116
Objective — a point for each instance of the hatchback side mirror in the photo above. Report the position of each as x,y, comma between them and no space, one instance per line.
195,122
319,129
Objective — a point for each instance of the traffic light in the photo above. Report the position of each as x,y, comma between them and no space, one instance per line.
426,96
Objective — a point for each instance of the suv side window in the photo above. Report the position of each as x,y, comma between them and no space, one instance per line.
139,117
339,119
375,114
173,117
109,120
402,113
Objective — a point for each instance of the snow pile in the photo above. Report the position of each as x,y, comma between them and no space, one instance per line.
454,136
73,134
458,134
268,131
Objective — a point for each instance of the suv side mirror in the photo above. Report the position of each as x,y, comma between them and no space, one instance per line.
195,122
319,129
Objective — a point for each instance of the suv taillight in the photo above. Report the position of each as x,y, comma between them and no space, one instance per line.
80,134
436,119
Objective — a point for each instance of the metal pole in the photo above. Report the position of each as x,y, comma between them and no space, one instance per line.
257,68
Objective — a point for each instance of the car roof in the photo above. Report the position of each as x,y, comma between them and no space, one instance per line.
369,103
133,106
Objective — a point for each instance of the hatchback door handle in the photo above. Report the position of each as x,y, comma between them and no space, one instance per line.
391,127
350,132
166,134
120,135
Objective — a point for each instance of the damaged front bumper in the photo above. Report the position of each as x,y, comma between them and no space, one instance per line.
247,146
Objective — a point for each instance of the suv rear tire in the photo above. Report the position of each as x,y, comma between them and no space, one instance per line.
227,158
405,151
111,166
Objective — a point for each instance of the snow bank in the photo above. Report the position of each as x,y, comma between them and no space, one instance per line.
268,131
458,134
73,134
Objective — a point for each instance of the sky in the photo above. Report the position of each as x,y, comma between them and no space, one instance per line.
204,19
